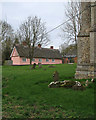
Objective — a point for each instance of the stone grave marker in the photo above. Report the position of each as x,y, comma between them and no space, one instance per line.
56,76
34,66
40,65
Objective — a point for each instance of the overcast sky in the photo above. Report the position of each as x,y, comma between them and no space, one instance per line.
50,12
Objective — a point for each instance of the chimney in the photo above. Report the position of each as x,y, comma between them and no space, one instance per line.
39,45
51,47
24,43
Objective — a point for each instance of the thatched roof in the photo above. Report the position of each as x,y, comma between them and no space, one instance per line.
23,51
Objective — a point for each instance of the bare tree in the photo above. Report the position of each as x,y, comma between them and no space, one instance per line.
6,40
6,31
6,34
33,32
71,29
62,47
66,48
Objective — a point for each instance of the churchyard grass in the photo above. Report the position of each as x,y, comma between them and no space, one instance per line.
26,94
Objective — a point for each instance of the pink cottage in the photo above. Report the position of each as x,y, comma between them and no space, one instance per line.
20,55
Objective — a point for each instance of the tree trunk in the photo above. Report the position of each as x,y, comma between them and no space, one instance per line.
30,63
32,53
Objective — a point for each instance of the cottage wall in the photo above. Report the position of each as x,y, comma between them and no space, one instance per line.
15,57
66,60
75,60
57,61
17,60
14,53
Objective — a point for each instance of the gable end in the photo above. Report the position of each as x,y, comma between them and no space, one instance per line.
14,52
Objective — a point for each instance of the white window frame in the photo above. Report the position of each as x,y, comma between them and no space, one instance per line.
47,60
33,60
53,60
24,60
40,60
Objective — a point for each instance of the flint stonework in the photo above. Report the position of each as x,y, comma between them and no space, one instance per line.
86,44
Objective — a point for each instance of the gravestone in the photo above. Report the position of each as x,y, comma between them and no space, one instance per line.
34,66
86,43
40,65
51,66
56,76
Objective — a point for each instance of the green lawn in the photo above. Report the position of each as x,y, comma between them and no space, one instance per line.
26,94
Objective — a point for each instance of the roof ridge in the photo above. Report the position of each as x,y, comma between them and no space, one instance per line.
39,52
36,47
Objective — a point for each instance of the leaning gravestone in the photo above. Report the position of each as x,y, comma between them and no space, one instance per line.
56,76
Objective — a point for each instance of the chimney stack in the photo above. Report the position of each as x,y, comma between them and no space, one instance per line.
51,47
39,45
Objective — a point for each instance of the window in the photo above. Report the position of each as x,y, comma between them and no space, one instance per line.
53,60
40,60
24,59
33,59
69,58
47,60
